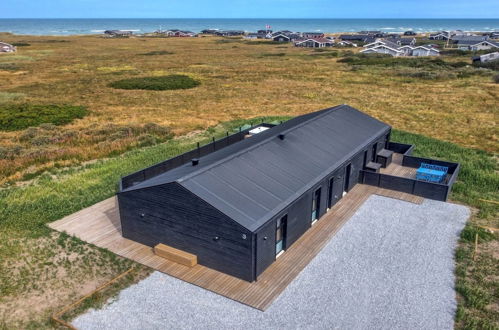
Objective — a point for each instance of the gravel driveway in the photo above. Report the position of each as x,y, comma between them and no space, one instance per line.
390,267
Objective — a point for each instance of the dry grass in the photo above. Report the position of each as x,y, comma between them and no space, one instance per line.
238,80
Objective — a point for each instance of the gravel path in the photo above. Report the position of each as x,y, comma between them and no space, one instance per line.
390,267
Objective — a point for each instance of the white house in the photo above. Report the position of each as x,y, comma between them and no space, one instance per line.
382,49
484,45
425,51
6,48
314,42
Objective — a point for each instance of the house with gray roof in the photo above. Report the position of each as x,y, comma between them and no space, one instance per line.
240,203
388,46
475,46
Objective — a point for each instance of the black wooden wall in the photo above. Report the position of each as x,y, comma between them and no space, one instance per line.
300,211
172,215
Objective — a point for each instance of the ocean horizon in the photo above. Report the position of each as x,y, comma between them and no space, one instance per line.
83,26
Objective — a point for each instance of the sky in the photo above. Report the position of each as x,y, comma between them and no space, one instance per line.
249,9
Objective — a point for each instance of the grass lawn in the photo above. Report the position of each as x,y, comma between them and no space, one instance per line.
48,171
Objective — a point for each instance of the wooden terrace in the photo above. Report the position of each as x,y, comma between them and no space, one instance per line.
100,225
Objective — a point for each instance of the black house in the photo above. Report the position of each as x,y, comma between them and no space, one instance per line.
239,207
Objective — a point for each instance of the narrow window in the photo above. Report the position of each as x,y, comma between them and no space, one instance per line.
316,204
330,193
280,235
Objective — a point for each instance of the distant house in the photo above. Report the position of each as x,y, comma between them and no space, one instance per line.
383,42
314,42
6,48
406,41
375,34
425,51
209,31
285,36
486,57
444,35
179,33
383,49
468,39
344,43
252,36
481,45
281,38
118,33
387,46
229,33
409,33
307,35
358,37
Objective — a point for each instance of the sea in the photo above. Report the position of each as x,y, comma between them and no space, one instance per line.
61,27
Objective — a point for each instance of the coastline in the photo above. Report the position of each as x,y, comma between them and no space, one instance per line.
82,26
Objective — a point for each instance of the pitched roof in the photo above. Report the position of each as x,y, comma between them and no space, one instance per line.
319,40
254,179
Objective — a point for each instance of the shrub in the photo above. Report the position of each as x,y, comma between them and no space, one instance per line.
272,54
21,44
21,116
161,83
492,65
157,52
9,67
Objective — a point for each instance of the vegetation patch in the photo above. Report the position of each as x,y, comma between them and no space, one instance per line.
21,44
492,65
15,117
157,52
6,97
161,83
272,54
9,67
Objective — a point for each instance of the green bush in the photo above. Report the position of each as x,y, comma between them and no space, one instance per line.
21,44
20,116
157,52
492,65
156,83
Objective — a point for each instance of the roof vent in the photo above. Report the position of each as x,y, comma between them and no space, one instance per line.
282,136
195,161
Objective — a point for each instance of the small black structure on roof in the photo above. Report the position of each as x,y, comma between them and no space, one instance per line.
237,208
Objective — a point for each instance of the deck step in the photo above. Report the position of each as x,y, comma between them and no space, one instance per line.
176,255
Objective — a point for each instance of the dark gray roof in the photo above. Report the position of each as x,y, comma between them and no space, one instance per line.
254,179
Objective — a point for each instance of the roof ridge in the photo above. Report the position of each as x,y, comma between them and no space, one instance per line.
266,140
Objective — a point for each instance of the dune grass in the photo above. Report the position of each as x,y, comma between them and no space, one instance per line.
236,83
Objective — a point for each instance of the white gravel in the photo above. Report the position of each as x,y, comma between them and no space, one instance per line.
390,267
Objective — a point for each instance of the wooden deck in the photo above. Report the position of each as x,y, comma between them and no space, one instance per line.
100,225
396,168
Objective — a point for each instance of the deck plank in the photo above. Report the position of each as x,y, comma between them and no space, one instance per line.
100,225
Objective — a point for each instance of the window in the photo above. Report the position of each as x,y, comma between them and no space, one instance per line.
280,235
316,204
330,193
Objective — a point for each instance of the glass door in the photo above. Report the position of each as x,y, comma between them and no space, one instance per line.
280,235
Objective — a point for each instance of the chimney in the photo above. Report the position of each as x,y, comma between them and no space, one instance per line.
195,161
282,136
